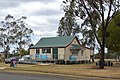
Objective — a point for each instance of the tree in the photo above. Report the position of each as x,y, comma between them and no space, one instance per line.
68,25
6,36
112,36
95,13
113,32
2,37
24,52
14,31
22,33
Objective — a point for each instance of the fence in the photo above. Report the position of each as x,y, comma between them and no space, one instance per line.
50,57
59,58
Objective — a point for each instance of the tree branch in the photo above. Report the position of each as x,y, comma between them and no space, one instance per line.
92,26
108,16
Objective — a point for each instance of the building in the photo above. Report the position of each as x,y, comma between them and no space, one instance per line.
2,55
65,49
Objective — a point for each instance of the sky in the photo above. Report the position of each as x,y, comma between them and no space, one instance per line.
42,15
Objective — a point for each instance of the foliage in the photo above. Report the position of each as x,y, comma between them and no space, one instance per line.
14,32
95,13
68,25
113,39
88,38
108,55
6,34
24,52
112,36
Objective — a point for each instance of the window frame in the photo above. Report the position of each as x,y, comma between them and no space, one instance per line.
37,51
46,50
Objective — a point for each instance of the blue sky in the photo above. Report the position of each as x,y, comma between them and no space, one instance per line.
42,15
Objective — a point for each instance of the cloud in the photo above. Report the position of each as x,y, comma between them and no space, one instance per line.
43,1
8,3
15,3
42,15
47,12
39,34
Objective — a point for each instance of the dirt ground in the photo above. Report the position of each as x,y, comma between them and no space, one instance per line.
86,70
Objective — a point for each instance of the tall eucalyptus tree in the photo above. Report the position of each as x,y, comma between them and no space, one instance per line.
95,13
14,31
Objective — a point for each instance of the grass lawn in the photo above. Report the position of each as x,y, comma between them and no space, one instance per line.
87,70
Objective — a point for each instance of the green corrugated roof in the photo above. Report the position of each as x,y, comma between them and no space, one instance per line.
54,42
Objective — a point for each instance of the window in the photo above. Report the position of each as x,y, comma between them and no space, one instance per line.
37,51
46,50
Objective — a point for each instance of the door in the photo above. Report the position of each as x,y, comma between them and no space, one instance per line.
55,53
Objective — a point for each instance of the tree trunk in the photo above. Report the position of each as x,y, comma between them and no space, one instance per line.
93,53
102,59
102,62
5,54
20,47
93,59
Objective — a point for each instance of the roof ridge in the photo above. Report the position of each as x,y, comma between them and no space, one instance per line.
57,37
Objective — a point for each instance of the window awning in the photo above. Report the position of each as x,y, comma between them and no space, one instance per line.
75,46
